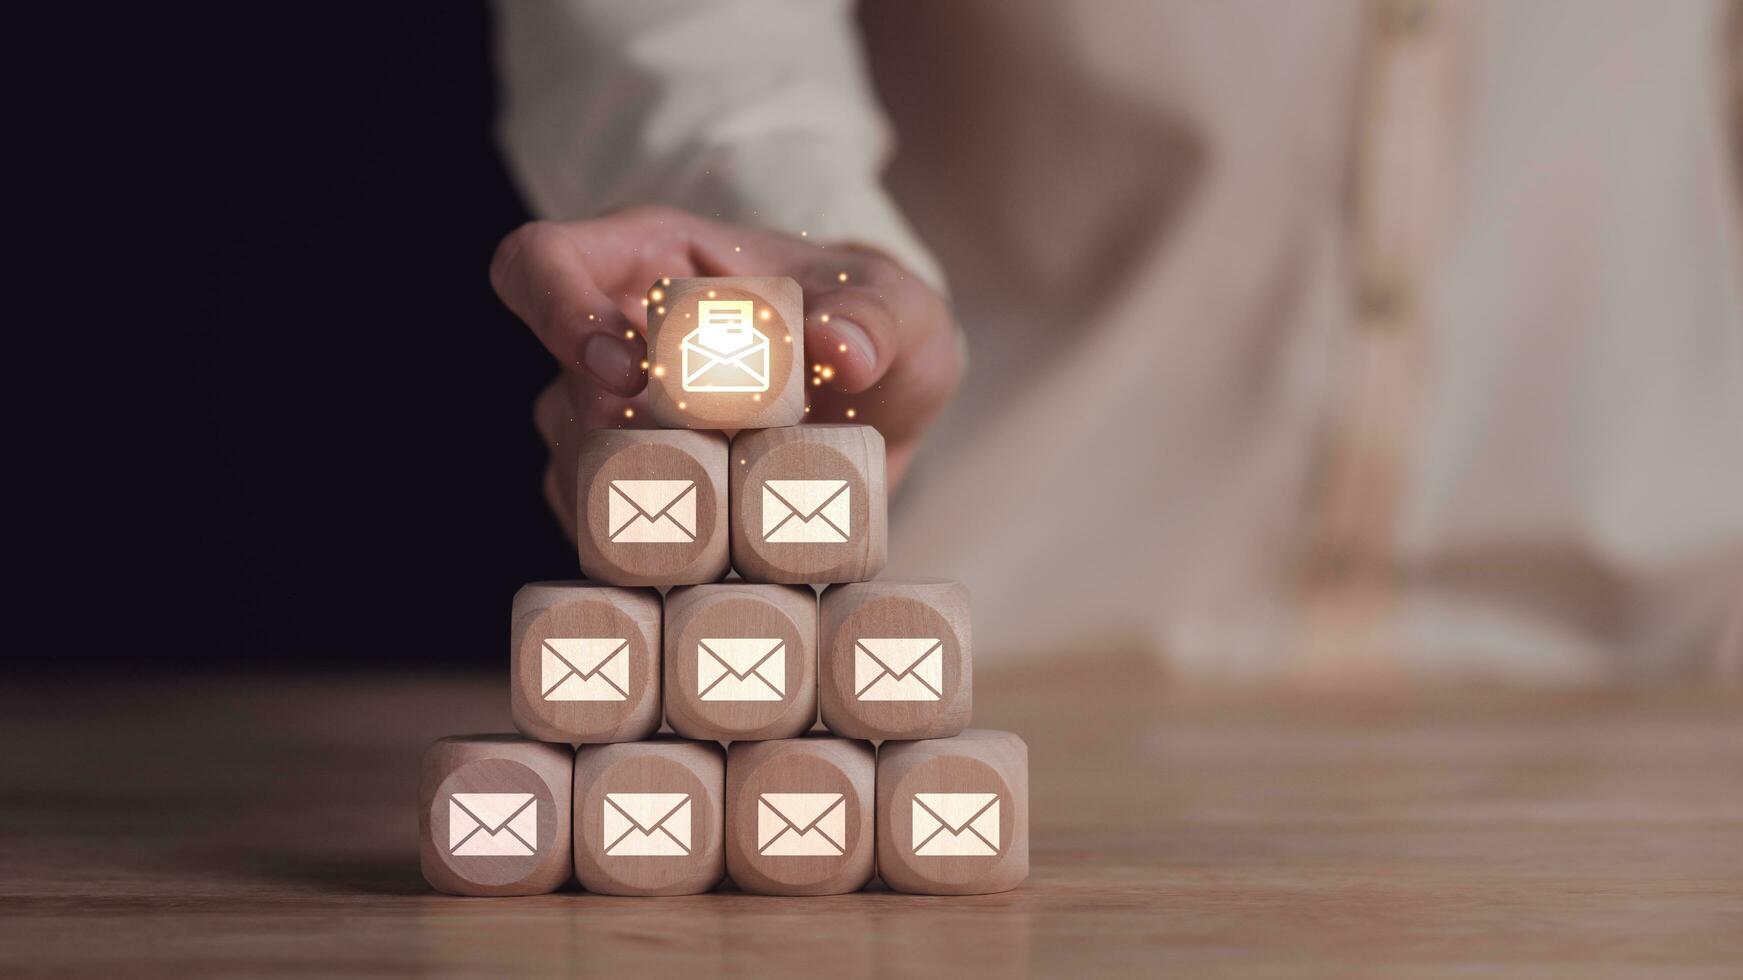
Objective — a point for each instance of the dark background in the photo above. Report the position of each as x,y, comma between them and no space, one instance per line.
295,425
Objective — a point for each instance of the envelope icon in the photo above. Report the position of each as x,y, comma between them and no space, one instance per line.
898,669
725,352
651,511
584,669
801,824
741,669
806,511
647,824
493,824
956,824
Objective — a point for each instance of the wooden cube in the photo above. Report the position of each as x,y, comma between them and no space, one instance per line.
652,506
648,817
741,661
799,815
953,814
585,662
809,504
726,353
493,815
894,659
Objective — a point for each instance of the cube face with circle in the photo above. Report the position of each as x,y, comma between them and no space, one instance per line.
649,817
809,504
895,659
584,662
726,352
653,507
953,814
493,815
799,815
741,661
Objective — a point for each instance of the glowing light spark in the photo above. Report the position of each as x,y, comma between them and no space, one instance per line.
657,295
629,413
644,301
756,397
816,382
660,310
828,372
841,276
683,405
644,365
660,372
824,318
711,294
851,413
764,314
629,335
841,347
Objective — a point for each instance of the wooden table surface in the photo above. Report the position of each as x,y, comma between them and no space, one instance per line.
237,826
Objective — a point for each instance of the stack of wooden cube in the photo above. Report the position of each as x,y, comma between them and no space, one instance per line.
590,790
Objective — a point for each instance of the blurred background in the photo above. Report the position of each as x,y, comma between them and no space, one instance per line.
272,444
300,434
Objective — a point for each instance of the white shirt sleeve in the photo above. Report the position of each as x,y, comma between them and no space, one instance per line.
758,112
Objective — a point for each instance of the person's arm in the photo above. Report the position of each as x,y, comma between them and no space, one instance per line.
752,112
709,138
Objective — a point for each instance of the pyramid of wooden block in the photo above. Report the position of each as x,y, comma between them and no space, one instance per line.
590,792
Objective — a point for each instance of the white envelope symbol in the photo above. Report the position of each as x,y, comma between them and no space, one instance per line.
806,511
898,669
584,669
647,824
725,352
493,824
652,511
741,669
956,824
801,824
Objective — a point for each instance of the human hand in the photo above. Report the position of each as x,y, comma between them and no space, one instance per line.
891,347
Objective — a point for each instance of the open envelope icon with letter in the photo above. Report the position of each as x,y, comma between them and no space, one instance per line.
739,669
493,824
652,511
725,352
898,669
647,824
584,669
956,824
801,824
807,511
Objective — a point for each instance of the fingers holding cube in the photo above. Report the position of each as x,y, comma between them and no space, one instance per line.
726,353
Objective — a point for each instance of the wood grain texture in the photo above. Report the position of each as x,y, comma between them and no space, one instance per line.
870,684
912,775
507,766
656,845
840,544
799,815
779,319
221,825
718,684
558,690
616,542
